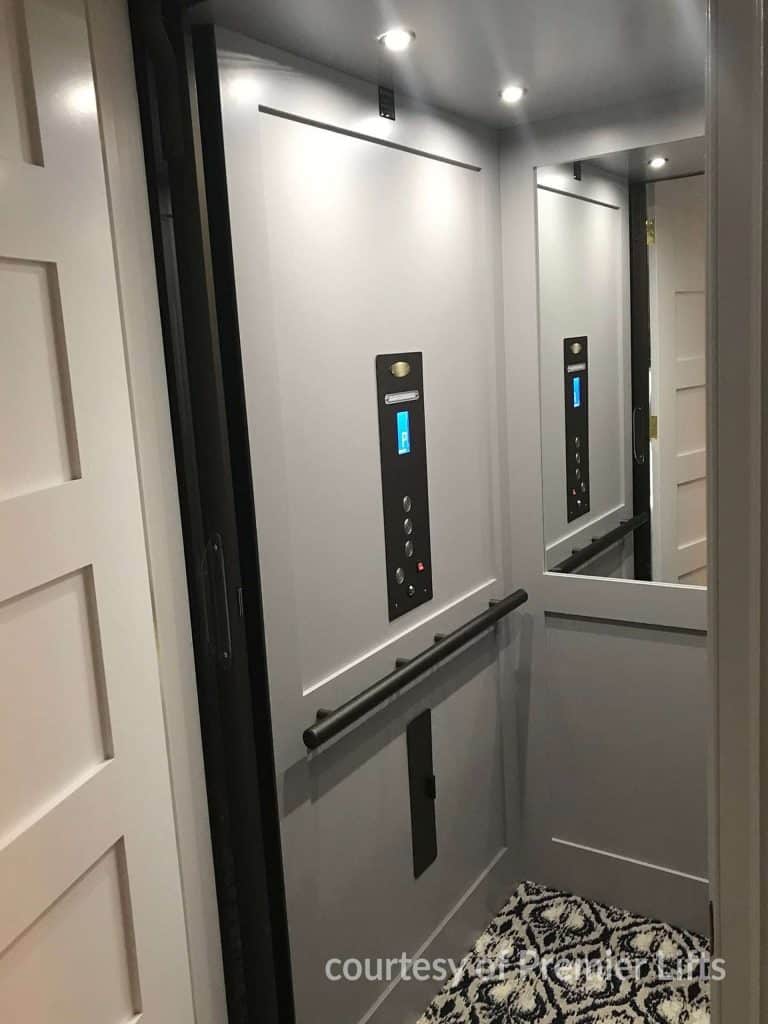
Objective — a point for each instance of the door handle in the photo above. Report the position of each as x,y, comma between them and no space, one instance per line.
639,457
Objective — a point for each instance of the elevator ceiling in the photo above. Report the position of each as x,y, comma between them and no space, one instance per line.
572,55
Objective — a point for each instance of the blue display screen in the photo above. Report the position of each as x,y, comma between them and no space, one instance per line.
576,392
404,433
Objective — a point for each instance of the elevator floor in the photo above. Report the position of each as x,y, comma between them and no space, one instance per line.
552,958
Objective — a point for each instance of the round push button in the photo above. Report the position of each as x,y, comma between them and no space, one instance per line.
408,527
409,549
407,504
400,575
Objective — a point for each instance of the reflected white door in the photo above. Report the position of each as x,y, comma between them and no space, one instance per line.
678,334
92,927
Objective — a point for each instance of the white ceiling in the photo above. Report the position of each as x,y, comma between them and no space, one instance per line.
573,55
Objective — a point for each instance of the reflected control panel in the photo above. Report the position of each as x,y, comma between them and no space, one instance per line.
576,371
405,495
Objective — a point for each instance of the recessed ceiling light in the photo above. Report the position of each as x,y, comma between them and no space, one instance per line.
512,93
657,162
397,39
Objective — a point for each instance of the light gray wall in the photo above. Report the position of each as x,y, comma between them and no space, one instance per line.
737,425
508,728
345,248
611,701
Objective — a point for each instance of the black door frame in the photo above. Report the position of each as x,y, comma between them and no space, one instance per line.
639,288
202,352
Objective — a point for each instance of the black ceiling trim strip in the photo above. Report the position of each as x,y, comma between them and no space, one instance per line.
366,138
575,195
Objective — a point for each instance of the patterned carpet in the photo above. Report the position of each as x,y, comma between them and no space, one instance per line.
653,974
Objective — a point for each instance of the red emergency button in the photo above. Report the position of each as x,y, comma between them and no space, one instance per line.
420,566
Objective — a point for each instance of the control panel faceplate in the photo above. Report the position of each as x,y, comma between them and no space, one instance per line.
576,372
402,438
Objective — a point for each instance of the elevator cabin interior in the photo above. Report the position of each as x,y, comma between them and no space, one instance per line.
471,328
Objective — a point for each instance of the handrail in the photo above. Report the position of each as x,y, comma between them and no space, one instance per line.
331,723
581,556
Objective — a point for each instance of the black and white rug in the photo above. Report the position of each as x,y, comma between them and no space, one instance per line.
552,958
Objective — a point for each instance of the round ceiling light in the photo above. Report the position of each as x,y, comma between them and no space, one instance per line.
512,93
397,39
657,162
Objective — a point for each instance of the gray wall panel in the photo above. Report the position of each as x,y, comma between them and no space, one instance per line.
602,708
345,249
618,751
316,217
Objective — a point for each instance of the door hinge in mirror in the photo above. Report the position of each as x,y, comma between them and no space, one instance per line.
653,428
650,232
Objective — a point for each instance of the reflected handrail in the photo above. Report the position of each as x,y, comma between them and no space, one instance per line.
583,555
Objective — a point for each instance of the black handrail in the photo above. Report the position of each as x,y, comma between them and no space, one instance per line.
331,723
583,555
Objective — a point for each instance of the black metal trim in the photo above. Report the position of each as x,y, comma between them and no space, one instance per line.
670,177
575,195
335,722
422,788
227,632
387,143
408,576
639,287
583,555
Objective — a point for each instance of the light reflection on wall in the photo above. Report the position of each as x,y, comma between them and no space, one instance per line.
377,126
81,99
243,87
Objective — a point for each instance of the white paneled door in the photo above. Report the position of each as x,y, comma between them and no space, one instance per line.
91,918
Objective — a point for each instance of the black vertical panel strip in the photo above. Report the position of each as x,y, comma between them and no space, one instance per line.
235,719
404,487
423,790
641,365
223,271
576,405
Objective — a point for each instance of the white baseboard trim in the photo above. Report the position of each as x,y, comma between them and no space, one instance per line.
650,890
630,860
403,1002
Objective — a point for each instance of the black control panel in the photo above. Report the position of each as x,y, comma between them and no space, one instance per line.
402,438
576,372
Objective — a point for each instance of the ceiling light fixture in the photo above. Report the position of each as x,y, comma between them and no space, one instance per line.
512,93
397,39
657,162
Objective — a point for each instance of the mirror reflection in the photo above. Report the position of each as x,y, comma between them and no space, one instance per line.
622,267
